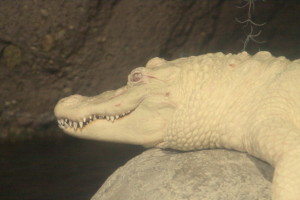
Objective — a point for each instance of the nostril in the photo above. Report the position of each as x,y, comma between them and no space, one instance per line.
71,99
67,103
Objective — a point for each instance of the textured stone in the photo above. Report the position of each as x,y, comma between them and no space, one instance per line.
205,175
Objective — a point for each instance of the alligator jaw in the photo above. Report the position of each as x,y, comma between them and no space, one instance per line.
65,123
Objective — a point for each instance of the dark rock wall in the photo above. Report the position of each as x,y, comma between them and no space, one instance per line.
52,49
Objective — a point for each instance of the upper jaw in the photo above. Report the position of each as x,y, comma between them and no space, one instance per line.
107,105
76,111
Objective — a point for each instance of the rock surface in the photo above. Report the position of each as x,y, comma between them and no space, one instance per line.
205,175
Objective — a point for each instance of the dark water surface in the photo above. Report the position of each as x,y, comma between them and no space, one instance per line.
69,169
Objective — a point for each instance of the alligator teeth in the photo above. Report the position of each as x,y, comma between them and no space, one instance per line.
60,125
75,125
64,123
112,118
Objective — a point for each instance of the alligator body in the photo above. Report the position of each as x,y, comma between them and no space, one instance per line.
246,103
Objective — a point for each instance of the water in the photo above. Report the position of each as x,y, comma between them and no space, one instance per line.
69,169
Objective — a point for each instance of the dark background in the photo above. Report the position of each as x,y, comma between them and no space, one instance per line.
50,49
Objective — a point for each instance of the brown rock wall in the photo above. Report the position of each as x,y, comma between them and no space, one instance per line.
51,49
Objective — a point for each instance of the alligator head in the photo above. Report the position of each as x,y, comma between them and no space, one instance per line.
136,113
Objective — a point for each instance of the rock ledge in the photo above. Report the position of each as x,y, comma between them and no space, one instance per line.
205,175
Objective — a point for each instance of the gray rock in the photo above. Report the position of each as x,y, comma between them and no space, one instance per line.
205,175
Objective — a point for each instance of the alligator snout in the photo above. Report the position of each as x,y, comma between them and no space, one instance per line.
71,100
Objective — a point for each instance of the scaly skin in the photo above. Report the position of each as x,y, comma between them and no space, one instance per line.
242,102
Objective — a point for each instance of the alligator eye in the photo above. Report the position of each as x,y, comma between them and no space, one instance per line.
136,77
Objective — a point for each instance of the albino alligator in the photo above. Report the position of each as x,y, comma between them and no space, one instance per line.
242,102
